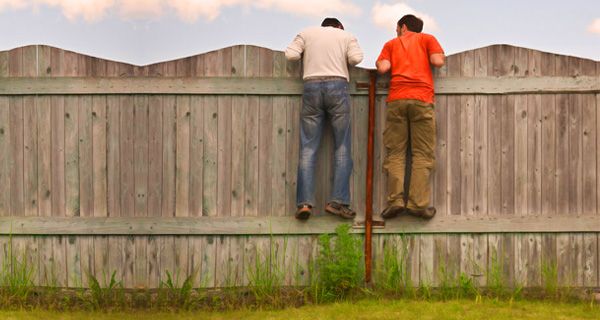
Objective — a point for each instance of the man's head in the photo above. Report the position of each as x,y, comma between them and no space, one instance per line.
332,22
409,23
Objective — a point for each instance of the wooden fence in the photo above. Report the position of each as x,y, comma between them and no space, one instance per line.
190,165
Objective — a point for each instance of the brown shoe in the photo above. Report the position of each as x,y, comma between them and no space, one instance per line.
426,214
392,212
303,212
342,210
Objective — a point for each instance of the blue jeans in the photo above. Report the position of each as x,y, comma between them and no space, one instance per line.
331,96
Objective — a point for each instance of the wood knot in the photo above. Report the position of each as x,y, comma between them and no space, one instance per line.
67,115
1,130
214,115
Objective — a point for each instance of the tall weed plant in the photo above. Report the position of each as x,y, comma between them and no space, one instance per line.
339,264
16,278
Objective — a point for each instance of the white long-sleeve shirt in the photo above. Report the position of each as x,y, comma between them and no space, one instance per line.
327,52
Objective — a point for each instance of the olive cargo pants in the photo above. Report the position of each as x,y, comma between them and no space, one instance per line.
418,117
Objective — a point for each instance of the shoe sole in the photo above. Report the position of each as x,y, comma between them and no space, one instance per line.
339,214
427,214
303,214
392,213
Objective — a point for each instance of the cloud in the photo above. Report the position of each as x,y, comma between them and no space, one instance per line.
386,16
188,10
594,27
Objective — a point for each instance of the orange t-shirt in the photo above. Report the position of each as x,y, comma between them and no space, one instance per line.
411,71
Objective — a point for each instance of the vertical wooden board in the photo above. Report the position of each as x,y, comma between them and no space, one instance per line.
576,253
58,156
127,155
181,258
224,151
467,154
250,255
209,183
30,157
534,63
508,247
47,267
589,154
169,144
141,261
480,259
4,155
15,62
494,154
236,260
128,257
534,256
140,155
289,259
195,260
59,253
454,163
521,164
154,173
238,61
85,157
480,158
467,247
99,177
280,156
562,154
360,138
575,154
16,156
549,144
521,64
495,256
590,260
69,186
279,68
224,269
265,149
99,244
379,155
453,257
153,262
4,64
238,139
508,156
79,260
520,259
182,158
564,260
501,60
440,258
441,155
426,270
209,254
251,163
113,160
44,61
115,256
534,154
303,261
44,151
549,253
196,155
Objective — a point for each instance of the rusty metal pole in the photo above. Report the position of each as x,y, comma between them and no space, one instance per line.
369,204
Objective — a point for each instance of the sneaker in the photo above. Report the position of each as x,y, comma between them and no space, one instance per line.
342,210
426,214
392,212
303,212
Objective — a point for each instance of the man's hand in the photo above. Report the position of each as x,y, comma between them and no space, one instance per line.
437,59
383,66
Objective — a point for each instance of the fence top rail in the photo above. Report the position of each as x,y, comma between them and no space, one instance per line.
280,86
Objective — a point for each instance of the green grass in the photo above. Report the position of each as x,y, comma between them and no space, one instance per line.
364,309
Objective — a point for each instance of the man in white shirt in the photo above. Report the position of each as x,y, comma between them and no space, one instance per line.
326,52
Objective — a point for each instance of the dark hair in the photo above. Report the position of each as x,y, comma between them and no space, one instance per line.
412,23
332,22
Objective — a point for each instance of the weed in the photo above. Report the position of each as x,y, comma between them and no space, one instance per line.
340,264
16,278
174,297
394,275
108,296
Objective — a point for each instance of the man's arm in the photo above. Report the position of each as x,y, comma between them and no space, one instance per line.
295,49
383,66
355,54
437,59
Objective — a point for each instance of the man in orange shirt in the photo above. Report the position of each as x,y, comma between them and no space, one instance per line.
410,113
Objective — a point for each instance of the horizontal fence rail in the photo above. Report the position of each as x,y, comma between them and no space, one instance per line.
291,226
280,86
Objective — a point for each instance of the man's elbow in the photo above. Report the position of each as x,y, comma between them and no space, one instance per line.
438,60
383,66
292,55
356,59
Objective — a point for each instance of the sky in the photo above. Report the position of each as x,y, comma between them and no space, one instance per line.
143,32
